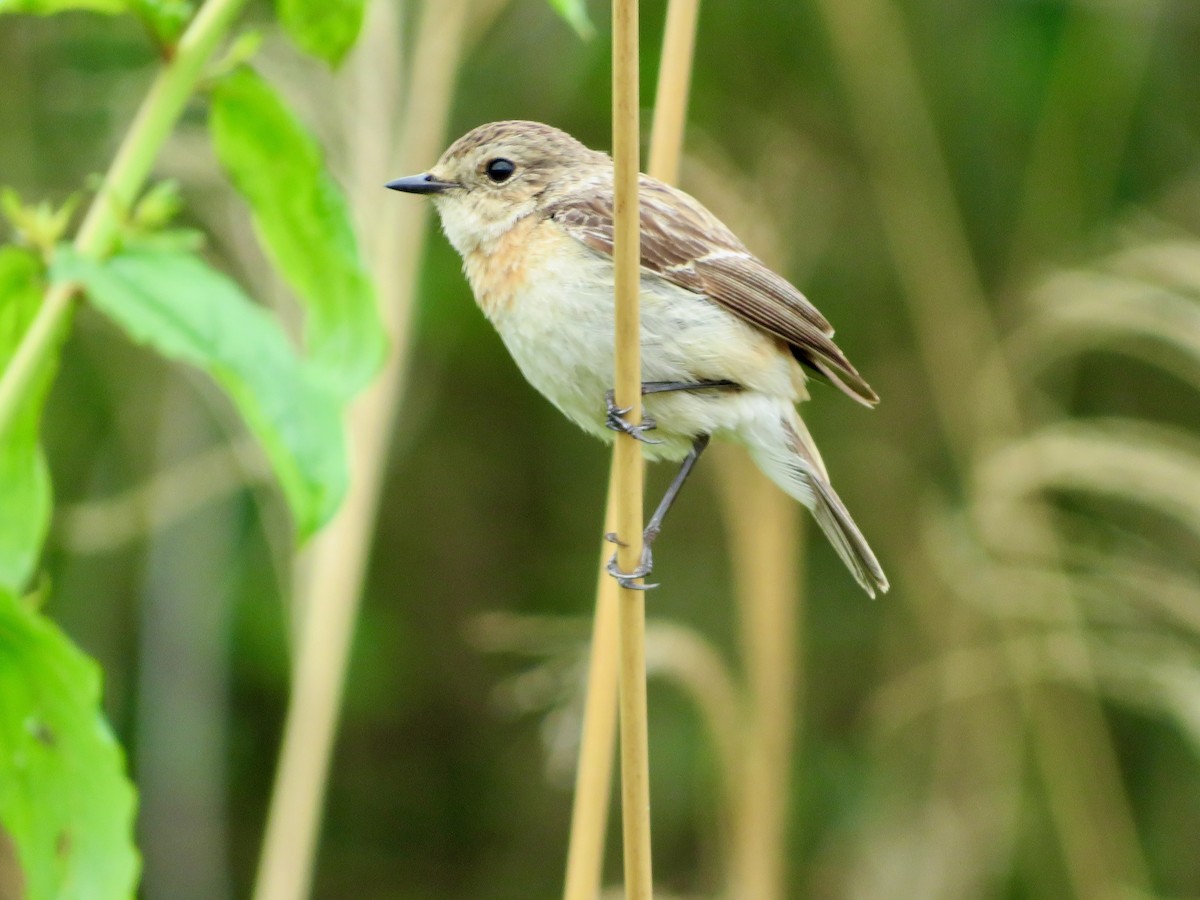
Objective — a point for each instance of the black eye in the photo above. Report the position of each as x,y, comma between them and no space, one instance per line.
500,170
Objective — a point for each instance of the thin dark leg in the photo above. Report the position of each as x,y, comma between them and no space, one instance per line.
626,579
655,524
615,415
662,387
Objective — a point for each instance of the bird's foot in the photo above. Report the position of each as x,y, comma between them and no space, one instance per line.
615,419
627,579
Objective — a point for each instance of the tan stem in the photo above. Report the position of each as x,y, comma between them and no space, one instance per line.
593,777
627,457
589,816
332,582
671,95
763,530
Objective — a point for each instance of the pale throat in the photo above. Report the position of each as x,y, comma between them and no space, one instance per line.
475,226
493,240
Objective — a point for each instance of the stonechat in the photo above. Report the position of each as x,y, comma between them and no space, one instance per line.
727,345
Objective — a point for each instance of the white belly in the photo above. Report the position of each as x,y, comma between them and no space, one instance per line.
559,330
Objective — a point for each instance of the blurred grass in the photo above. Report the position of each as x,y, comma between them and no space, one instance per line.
1071,146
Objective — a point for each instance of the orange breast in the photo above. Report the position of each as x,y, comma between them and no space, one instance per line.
499,273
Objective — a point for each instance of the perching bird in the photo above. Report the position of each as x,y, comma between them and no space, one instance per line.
727,344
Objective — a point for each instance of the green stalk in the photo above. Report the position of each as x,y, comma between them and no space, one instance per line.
155,119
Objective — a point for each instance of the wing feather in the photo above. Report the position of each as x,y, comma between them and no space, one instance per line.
687,245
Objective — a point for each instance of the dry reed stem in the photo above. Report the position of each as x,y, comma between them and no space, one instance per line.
589,815
593,775
941,285
337,561
628,470
763,531
671,94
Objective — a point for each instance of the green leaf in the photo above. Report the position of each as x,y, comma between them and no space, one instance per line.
64,799
49,7
38,225
575,14
167,19
324,28
24,478
187,311
158,206
304,225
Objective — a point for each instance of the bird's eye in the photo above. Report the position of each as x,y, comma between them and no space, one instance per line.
500,170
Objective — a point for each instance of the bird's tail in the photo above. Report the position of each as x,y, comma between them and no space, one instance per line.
788,456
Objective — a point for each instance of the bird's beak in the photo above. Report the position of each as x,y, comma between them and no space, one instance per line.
420,184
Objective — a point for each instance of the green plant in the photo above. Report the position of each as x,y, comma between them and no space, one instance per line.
153,282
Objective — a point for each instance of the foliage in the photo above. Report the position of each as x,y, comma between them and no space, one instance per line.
25,513
324,28
64,800
304,224
49,7
64,797
177,305
575,14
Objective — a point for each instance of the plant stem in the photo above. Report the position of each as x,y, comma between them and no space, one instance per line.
671,95
589,816
627,456
331,586
763,532
153,124
593,776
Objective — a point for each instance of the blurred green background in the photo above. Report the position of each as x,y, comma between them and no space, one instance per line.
1008,246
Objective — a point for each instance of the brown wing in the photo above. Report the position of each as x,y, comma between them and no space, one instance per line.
687,245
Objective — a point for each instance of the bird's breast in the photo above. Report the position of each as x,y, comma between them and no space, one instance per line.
550,298
500,271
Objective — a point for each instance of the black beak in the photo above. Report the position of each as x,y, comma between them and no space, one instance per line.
420,184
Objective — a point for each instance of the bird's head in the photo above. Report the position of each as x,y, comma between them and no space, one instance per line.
497,174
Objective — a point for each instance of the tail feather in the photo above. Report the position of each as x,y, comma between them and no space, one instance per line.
834,519
790,459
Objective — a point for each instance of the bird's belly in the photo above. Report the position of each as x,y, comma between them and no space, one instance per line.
559,330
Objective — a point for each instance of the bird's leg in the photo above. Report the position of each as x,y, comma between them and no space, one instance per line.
662,387
615,420
654,526
627,579
615,415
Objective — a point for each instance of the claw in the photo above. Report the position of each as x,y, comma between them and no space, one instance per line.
615,420
626,579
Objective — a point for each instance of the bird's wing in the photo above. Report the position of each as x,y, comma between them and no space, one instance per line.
687,245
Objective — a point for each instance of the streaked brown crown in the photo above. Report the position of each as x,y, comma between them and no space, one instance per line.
541,152
535,140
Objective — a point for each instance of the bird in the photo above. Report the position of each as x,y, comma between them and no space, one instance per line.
727,345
